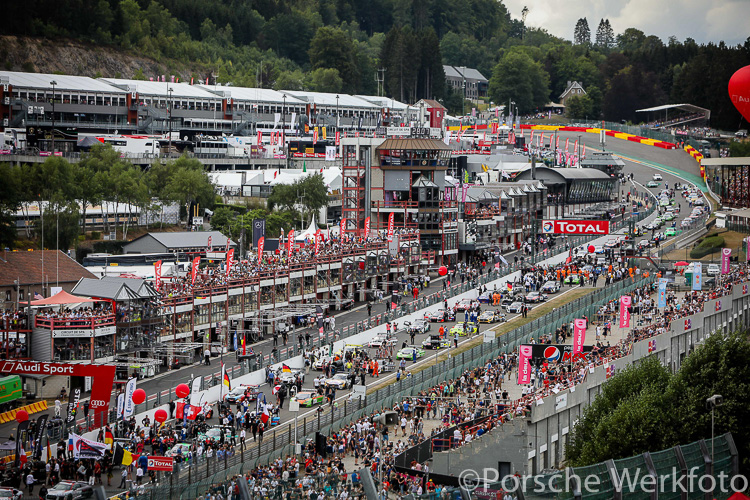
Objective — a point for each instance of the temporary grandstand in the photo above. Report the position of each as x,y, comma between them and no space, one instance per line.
675,115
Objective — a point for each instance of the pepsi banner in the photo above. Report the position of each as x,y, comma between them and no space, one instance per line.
697,276
726,254
625,302
551,353
662,298
567,226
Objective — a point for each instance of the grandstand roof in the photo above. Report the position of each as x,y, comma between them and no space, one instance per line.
329,99
253,94
161,89
691,108
63,82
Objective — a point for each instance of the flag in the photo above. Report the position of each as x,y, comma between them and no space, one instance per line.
37,296
652,345
261,243
209,247
367,227
342,228
315,136
225,378
286,369
260,137
290,239
108,437
390,226
318,239
323,132
121,456
610,370
194,269
567,140
557,142
265,417
304,166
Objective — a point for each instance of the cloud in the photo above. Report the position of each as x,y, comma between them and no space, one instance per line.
704,21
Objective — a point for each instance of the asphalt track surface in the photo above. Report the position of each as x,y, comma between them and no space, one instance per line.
642,160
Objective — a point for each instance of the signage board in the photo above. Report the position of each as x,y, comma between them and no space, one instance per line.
569,226
161,463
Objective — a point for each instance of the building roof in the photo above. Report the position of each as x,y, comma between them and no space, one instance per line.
105,289
571,86
432,103
63,82
161,89
473,74
186,239
423,181
482,194
253,94
691,108
329,99
140,286
566,174
463,72
602,160
413,144
731,161
451,72
27,267
383,102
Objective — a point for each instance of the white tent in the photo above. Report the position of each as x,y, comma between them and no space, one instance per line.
309,233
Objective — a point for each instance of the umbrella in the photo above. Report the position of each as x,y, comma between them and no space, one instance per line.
681,263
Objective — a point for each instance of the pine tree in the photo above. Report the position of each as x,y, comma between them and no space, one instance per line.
605,35
582,33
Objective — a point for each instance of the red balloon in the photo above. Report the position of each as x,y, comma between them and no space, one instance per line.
592,248
484,263
362,265
739,91
442,271
160,415
182,390
139,396
22,416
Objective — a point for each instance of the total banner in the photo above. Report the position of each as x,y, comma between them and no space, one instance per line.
568,226
390,226
697,275
289,242
662,297
85,448
342,227
230,260
261,243
157,274
194,269
524,364
579,335
367,227
726,254
625,302
318,238
161,463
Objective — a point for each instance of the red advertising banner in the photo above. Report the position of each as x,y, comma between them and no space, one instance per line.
390,226
367,227
161,463
318,239
102,380
261,243
157,274
209,247
342,228
726,254
524,365
230,259
289,242
568,226
579,335
625,302
194,269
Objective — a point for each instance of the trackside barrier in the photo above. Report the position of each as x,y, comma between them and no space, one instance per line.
9,416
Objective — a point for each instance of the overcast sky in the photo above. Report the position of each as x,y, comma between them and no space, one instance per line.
702,20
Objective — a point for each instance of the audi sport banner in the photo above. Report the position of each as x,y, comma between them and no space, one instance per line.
625,302
85,448
259,230
551,353
524,365
568,226
579,335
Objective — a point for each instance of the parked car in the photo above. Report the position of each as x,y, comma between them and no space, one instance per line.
713,269
244,392
652,184
515,307
408,352
573,279
534,297
70,490
491,316
435,342
418,326
179,449
463,305
7,493
381,340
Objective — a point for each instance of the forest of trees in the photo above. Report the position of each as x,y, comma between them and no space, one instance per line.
339,45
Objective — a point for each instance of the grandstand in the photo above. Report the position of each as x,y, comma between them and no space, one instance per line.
676,115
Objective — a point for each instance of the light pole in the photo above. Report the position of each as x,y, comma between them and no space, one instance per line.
54,84
578,153
169,117
463,97
337,113
713,402
283,119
